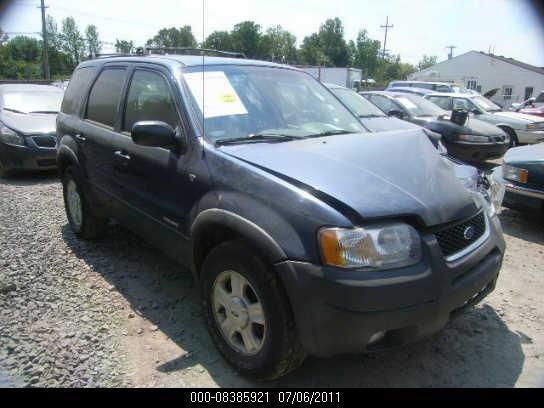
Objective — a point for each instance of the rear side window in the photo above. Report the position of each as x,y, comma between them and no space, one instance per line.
78,85
149,98
441,101
105,95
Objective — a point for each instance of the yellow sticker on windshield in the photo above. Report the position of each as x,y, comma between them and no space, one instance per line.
214,94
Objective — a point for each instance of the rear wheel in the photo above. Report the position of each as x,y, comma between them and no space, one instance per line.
248,314
82,221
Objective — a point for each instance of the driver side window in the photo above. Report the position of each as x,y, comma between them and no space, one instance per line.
461,103
149,98
384,104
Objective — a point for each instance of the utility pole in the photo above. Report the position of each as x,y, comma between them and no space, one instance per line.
46,71
386,26
450,54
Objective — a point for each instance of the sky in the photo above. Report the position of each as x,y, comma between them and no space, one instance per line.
509,27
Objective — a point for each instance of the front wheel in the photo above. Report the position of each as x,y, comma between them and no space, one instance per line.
78,210
513,137
248,314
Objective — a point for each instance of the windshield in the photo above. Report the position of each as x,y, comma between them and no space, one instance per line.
243,101
417,106
33,101
485,104
357,104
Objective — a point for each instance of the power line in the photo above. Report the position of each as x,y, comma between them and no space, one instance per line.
386,26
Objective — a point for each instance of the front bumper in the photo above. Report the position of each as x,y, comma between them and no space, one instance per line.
530,136
519,197
467,151
340,311
28,157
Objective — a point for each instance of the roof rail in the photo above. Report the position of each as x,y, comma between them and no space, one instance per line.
138,51
193,51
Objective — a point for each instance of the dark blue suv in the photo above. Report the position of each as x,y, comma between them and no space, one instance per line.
306,233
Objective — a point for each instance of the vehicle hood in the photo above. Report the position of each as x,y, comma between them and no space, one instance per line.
29,124
518,117
472,126
386,123
532,153
533,111
375,174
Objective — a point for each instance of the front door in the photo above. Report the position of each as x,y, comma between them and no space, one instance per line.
150,180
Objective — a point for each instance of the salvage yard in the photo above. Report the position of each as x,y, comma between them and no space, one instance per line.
114,312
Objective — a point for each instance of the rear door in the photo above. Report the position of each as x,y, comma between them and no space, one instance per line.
97,129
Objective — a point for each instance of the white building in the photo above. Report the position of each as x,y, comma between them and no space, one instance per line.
515,80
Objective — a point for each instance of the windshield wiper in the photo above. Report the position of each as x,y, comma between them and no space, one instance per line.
331,133
14,110
258,137
45,111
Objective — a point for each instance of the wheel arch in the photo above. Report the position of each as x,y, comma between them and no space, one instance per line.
214,226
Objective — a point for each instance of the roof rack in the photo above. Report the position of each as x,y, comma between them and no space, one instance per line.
193,51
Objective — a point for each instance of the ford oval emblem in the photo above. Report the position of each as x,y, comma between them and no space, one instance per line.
469,233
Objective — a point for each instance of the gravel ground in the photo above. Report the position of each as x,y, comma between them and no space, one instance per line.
115,312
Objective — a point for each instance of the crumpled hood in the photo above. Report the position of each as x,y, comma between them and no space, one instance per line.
521,117
28,124
377,175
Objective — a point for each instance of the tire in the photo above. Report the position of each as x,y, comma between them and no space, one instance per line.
85,224
513,137
278,349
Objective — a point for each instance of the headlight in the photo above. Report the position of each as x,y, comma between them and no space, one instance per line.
515,173
473,138
10,137
383,246
531,126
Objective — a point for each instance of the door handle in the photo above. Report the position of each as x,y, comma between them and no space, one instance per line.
81,138
122,155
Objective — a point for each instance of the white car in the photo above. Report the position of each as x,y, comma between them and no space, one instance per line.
521,128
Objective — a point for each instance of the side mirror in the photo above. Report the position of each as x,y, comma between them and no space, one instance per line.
397,113
154,133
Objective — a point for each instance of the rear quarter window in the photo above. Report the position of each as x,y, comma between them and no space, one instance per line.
77,87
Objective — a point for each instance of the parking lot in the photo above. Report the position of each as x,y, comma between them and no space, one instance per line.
115,312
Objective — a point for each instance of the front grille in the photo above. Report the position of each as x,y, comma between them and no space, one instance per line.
454,239
45,141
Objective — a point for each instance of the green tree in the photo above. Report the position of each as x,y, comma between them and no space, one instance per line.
279,44
332,42
219,40
60,64
72,42
365,52
94,45
426,62
246,38
22,48
124,46
173,37
310,52
3,37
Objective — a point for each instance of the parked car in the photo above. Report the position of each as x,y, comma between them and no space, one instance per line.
27,127
474,141
520,127
533,106
413,90
305,233
522,174
433,86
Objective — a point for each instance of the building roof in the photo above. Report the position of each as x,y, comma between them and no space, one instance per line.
515,62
